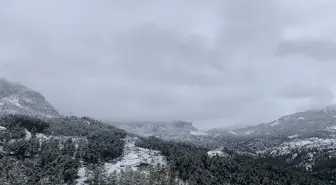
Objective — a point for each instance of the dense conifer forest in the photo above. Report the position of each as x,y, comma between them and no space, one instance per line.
29,155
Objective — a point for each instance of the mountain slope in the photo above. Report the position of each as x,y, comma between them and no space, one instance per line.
69,149
302,139
321,123
18,99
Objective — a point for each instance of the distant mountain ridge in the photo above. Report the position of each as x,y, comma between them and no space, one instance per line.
19,99
311,123
166,130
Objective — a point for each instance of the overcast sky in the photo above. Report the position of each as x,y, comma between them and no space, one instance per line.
213,62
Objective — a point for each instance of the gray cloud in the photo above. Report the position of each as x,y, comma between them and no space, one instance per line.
317,94
214,62
320,50
306,91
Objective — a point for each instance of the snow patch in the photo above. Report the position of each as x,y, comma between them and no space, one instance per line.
42,136
293,136
308,166
198,133
301,118
134,156
217,152
2,128
234,133
81,175
309,143
12,100
248,132
28,100
28,135
277,122
311,156
332,127
49,116
294,156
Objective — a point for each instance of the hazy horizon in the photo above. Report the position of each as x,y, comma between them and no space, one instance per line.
215,63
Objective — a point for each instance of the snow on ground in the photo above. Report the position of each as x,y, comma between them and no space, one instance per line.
2,128
293,136
12,100
49,116
332,127
28,100
302,145
275,123
134,156
294,156
248,132
198,133
75,140
131,158
301,118
287,147
81,175
42,136
88,122
216,152
28,135
234,133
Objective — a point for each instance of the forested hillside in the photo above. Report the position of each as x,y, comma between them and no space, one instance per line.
73,150
36,151
195,166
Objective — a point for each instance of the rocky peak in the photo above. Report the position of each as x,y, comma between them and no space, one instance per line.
19,99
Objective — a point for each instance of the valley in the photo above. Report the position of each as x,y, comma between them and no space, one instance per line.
47,147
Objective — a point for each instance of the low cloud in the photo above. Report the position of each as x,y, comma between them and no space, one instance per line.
320,50
215,63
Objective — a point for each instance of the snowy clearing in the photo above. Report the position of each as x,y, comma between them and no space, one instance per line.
132,158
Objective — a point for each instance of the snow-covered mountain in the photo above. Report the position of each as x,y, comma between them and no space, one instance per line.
19,99
320,123
300,139
180,130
